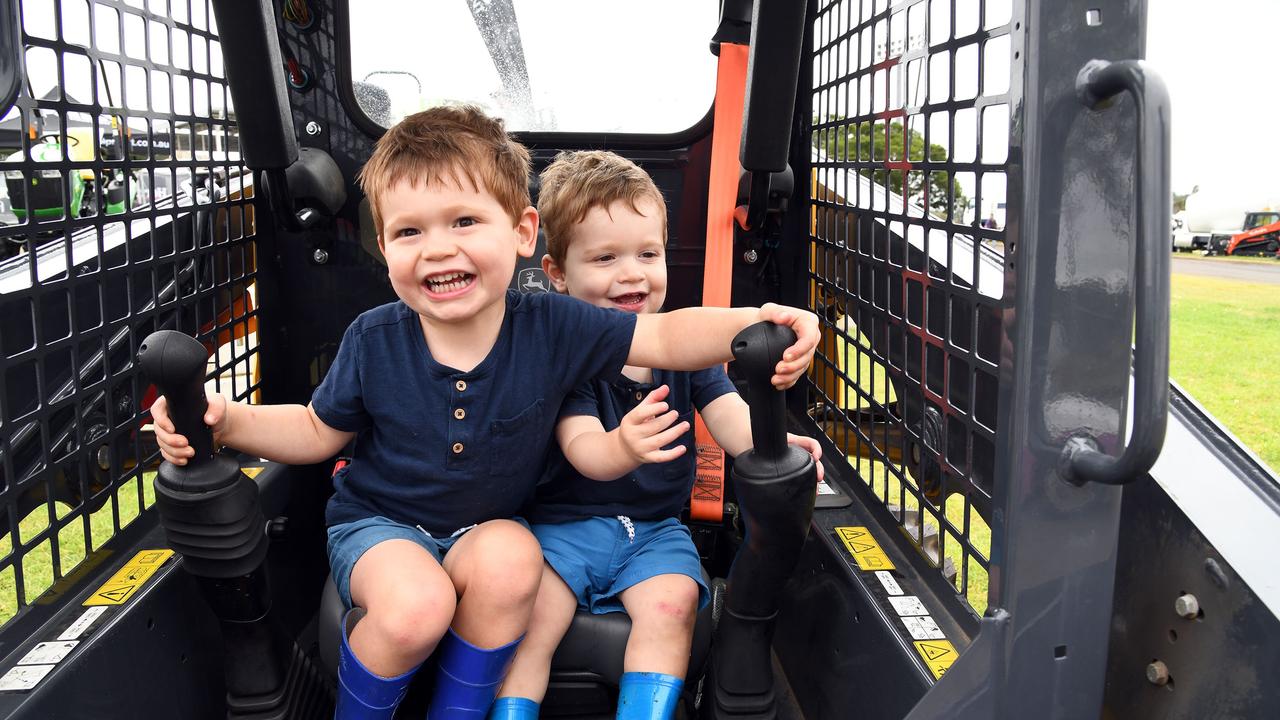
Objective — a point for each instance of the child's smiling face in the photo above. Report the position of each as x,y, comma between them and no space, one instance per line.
616,258
451,248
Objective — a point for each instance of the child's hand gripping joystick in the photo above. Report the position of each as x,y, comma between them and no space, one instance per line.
775,486
211,515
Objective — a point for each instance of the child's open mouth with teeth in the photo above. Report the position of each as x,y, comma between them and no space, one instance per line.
447,283
633,302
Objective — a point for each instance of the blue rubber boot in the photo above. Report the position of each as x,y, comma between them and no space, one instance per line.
469,678
648,696
363,695
513,708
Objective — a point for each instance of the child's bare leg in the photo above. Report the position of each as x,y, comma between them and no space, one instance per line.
409,602
552,614
496,569
662,609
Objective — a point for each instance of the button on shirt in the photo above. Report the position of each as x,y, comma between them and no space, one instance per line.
445,449
652,491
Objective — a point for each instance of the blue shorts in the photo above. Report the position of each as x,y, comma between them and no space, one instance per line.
600,557
349,541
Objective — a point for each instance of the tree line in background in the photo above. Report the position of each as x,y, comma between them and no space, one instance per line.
866,142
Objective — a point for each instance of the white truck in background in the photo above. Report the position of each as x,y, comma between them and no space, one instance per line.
1217,211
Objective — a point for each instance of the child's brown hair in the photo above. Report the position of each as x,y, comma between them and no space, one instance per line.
449,143
578,181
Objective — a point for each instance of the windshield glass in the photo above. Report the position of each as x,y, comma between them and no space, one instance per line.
566,66
1260,219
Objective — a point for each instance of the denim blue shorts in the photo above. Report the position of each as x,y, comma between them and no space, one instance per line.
349,541
600,557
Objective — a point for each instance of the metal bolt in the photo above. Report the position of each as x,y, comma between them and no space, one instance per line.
1158,673
1187,606
320,256
313,128
750,257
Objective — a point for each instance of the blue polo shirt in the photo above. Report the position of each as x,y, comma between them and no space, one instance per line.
445,449
651,492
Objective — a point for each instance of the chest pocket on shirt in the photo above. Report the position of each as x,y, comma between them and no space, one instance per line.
516,443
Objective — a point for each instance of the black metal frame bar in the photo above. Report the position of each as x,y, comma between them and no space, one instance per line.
1065,372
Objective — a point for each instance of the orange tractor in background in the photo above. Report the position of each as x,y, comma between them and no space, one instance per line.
1260,236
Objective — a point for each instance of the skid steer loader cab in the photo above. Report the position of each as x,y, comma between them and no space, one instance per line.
1021,518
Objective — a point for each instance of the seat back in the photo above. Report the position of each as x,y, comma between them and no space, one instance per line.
529,276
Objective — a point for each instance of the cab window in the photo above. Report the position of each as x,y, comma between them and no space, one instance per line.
567,66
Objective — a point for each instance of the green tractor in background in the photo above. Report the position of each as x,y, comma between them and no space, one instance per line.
41,196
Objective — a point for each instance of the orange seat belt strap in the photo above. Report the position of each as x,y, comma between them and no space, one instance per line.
707,499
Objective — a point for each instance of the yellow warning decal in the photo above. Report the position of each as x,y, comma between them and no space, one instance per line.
938,655
864,548
252,472
129,578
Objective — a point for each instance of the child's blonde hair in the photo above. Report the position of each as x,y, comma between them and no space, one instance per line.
578,181
449,143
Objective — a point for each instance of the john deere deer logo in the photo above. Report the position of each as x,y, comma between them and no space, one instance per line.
533,280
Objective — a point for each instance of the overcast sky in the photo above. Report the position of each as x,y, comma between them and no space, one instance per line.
1220,60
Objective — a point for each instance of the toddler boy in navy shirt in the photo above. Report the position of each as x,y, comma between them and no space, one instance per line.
451,394
607,512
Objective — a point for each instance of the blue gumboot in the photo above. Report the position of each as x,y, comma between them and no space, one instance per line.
648,696
513,708
468,679
363,695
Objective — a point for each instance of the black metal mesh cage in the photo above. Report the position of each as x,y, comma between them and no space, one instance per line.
125,210
910,148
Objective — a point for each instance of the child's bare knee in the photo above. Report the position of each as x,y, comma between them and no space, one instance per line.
413,623
521,576
675,607
511,554
679,608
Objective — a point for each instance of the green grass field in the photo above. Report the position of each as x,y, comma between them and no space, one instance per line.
1251,259
38,563
1223,350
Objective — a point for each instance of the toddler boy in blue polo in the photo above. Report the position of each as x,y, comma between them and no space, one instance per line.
604,537
472,442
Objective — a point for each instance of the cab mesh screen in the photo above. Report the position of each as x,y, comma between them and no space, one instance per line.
910,144
125,210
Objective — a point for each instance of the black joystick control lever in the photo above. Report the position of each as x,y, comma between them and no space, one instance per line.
208,508
758,350
211,515
776,484
175,363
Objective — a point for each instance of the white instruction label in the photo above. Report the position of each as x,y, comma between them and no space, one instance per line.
923,628
891,586
908,605
825,489
48,652
82,623
24,677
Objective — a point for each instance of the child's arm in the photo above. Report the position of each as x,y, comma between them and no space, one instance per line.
697,338
638,439
728,418
290,434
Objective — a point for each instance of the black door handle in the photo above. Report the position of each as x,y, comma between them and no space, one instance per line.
1097,82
